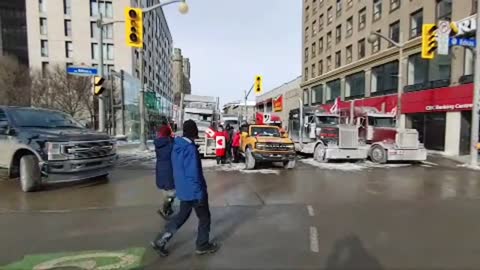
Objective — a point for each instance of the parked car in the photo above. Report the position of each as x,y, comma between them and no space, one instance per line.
44,146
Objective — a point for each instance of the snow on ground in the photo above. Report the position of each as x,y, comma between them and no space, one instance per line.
351,166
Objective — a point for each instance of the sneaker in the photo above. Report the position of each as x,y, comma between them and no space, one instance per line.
160,249
208,249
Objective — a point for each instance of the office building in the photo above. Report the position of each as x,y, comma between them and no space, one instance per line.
181,75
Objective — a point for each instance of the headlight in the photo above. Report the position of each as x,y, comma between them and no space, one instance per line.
260,146
290,146
54,151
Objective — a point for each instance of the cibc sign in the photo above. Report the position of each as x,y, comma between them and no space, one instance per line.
448,107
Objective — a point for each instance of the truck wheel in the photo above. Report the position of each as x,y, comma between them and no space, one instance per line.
289,164
30,175
249,160
378,154
320,153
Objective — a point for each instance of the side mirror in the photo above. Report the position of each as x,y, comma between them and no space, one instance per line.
3,127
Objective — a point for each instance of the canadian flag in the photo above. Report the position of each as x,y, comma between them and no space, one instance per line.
210,133
394,111
334,108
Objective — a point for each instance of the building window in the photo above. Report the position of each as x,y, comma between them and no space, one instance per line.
376,44
306,55
320,21
314,8
385,77
394,32
338,34
348,53
329,40
349,3
68,28
362,19
306,33
320,67
339,7
106,8
417,69
44,68
307,11
306,96
68,49
320,45
93,30
421,70
43,26
416,21
361,48
42,6
394,5
329,63
377,9
108,31
333,89
94,51
329,15
338,59
67,7
317,94
306,74
314,69
314,28
474,6
444,10
355,85
44,48
93,8
469,62
349,26
314,50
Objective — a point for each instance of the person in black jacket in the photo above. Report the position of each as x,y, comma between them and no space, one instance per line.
164,172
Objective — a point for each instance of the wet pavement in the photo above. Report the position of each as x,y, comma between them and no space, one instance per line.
317,216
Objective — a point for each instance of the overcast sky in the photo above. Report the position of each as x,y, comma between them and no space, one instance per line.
230,41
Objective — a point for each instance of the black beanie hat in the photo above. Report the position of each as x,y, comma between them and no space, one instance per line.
190,129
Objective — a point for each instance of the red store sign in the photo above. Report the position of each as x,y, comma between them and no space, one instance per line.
448,99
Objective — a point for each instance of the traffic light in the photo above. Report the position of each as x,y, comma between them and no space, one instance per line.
429,41
134,27
98,86
258,85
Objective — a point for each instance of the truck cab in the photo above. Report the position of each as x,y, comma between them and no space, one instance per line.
40,146
263,144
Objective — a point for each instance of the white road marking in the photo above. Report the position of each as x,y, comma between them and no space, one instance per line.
310,210
314,239
429,163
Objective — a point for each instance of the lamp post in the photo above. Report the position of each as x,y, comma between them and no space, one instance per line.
374,36
183,9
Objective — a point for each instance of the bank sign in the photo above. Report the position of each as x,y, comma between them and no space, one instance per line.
448,107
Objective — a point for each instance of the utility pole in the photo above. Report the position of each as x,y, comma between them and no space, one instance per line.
101,101
476,89
141,103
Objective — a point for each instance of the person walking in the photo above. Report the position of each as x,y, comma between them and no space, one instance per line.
230,132
191,191
163,170
220,145
236,146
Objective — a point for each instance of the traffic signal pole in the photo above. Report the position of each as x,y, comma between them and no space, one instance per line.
246,99
476,96
141,104
101,102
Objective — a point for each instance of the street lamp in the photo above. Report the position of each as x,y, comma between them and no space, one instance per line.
183,9
373,37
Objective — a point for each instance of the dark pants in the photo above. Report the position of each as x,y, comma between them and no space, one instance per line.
203,213
236,155
229,150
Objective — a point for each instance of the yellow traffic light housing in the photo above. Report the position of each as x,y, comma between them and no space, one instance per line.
429,41
134,27
258,85
98,86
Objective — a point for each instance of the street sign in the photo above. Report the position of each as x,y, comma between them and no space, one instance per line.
82,71
465,42
443,34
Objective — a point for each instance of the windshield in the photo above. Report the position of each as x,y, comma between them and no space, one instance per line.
265,131
382,121
43,119
327,120
231,122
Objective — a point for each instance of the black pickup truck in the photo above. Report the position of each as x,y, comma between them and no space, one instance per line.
41,146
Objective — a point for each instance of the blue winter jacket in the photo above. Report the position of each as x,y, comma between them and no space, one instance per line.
164,171
187,171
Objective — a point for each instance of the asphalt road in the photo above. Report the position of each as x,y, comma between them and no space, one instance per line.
318,216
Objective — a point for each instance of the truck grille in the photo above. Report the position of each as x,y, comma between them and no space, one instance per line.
94,149
348,137
407,138
277,147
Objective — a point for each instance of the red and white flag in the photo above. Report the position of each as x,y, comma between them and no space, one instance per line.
210,133
334,108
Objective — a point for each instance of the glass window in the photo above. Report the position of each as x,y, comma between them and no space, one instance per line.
444,9
306,97
338,59
94,49
317,94
307,11
93,8
314,5
348,52
329,39
320,45
320,67
385,77
43,26
416,21
349,26
376,44
349,3
355,84
68,28
3,116
339,7
44,48
42,6
377,9
45,66
394,4
474,6
361,48
306,33
306,74
362,18
417,69
67,7
68,49
42,119
440,68
469,62
108,31
394,32
305,59
329,15
333,89
314,50
314,70
93,30
329,63
314,28
106,8
320,21
338,34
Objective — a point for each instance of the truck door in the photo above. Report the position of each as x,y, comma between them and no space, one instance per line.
5,154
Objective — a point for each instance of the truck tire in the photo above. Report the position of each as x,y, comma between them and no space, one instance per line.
378,154
289,164
320,153
30,175
250,161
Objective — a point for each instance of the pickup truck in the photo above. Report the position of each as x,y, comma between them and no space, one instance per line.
264,143
39,146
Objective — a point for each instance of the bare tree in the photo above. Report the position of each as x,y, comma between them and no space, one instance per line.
15,82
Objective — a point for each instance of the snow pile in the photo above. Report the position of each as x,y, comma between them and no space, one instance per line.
352,166
468,166
240,167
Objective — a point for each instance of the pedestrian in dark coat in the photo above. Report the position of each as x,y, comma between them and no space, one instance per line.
191,191
164,171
